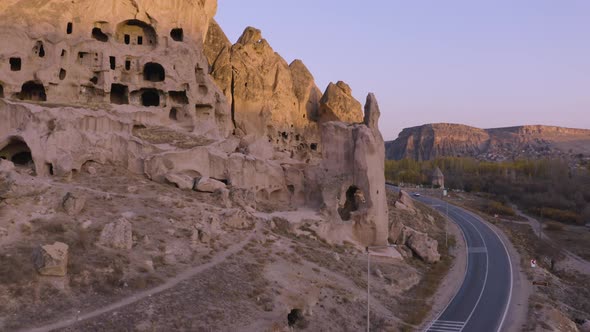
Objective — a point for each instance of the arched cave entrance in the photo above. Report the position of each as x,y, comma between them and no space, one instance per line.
17,151
32,90
150,97
136,32
154,72
350,205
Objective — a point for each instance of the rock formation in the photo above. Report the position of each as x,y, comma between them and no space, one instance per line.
52,260
442,139
157,87
117,235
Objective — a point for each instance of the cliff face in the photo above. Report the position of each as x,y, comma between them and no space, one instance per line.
436,140
157,87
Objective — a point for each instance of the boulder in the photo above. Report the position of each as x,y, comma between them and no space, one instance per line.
423,246
338,104
182,181
209,185
405,251
405,200
51,260
396,233
73,203
117,235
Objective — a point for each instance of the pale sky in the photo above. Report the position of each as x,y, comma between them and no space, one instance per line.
485,63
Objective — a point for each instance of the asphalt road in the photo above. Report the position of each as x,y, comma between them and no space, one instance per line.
482,301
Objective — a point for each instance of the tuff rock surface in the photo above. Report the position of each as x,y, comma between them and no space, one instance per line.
156,87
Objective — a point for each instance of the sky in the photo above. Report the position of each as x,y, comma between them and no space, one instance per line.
484,63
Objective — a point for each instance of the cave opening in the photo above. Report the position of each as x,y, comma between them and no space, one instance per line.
18,152
69,28
99,35
178,97
150,97
62,74
295,317
15,64
350,205
173,114
140,31
32,91
113,62
154,72
119,94
39,49
177,34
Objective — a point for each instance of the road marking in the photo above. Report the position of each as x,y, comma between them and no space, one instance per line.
477,250
464,272
511,276
485,280
446,326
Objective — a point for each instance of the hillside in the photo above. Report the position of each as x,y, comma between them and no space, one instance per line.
429,141
156,177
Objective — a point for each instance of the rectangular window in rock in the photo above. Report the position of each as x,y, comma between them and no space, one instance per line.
178,97
119,94
127,39
69,28
113,62
139,40
15,64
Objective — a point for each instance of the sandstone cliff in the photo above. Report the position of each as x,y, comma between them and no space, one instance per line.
436,140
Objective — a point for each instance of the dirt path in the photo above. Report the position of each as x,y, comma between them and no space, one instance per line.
148,293
571,260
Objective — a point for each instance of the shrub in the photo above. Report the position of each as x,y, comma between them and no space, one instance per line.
553,226
494,207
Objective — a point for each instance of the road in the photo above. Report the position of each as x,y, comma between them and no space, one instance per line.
481,303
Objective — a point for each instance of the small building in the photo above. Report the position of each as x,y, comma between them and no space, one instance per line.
438,178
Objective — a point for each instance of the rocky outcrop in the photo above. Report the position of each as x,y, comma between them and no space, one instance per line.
442,139
51,260
117,235
423,246
419,243
182,181
208,185
157,88
73,203
352,183
337,104
404,201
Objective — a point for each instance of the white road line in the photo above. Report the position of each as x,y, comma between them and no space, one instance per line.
464,274
446,326
511,277
485,280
